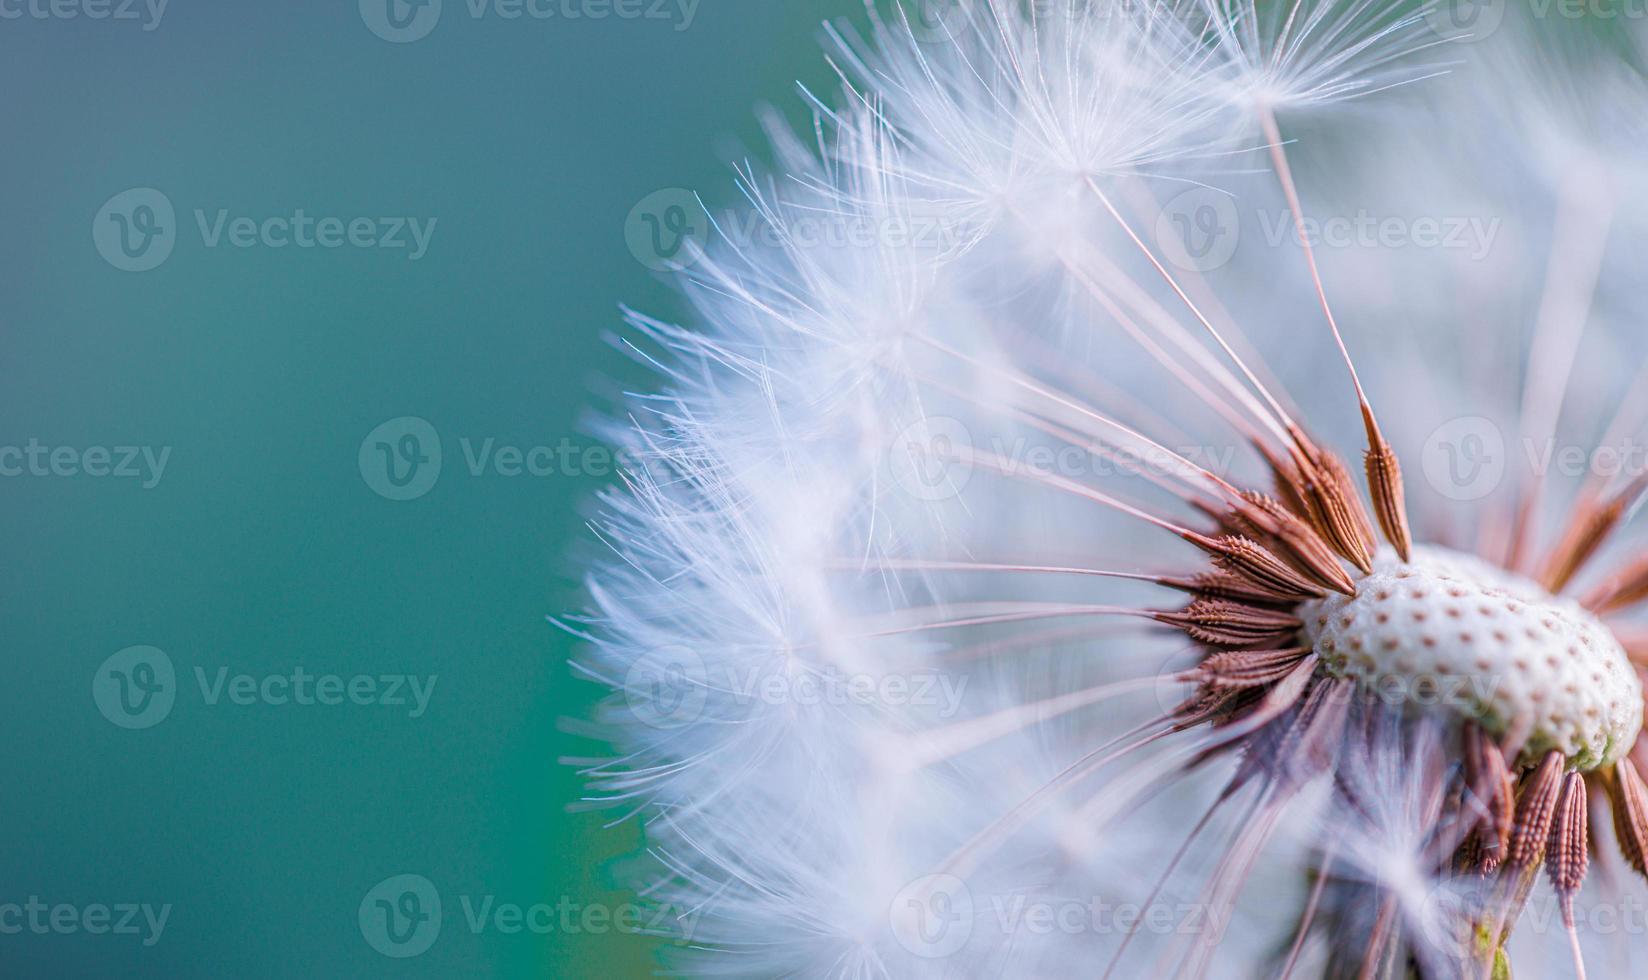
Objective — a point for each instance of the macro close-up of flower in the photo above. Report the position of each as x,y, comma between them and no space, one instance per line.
1145,489
834,489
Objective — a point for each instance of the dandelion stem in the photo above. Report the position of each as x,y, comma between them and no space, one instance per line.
1384,472
1311,905
1572,272
1195,310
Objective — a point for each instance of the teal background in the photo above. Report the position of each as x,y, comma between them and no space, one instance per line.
263,548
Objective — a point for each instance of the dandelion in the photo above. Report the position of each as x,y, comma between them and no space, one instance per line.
1012,602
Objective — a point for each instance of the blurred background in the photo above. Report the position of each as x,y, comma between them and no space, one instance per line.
303,307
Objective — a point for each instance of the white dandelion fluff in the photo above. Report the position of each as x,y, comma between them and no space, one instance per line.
996,590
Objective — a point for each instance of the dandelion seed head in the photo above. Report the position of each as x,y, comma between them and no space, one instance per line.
1309,53
1449,633
964,585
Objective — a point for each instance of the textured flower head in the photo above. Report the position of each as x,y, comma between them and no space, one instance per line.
1075,537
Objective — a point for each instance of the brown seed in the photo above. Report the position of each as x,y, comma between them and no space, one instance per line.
1337,508
1390,501
1568,854
1224,623
1535,810
1493,792
1250,668
1624,589
1580,543
1211,704
1247,558
1220,584
1628,797
1298,541
1290,481
1317,731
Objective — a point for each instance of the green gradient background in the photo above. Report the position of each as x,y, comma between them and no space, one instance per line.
262,548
